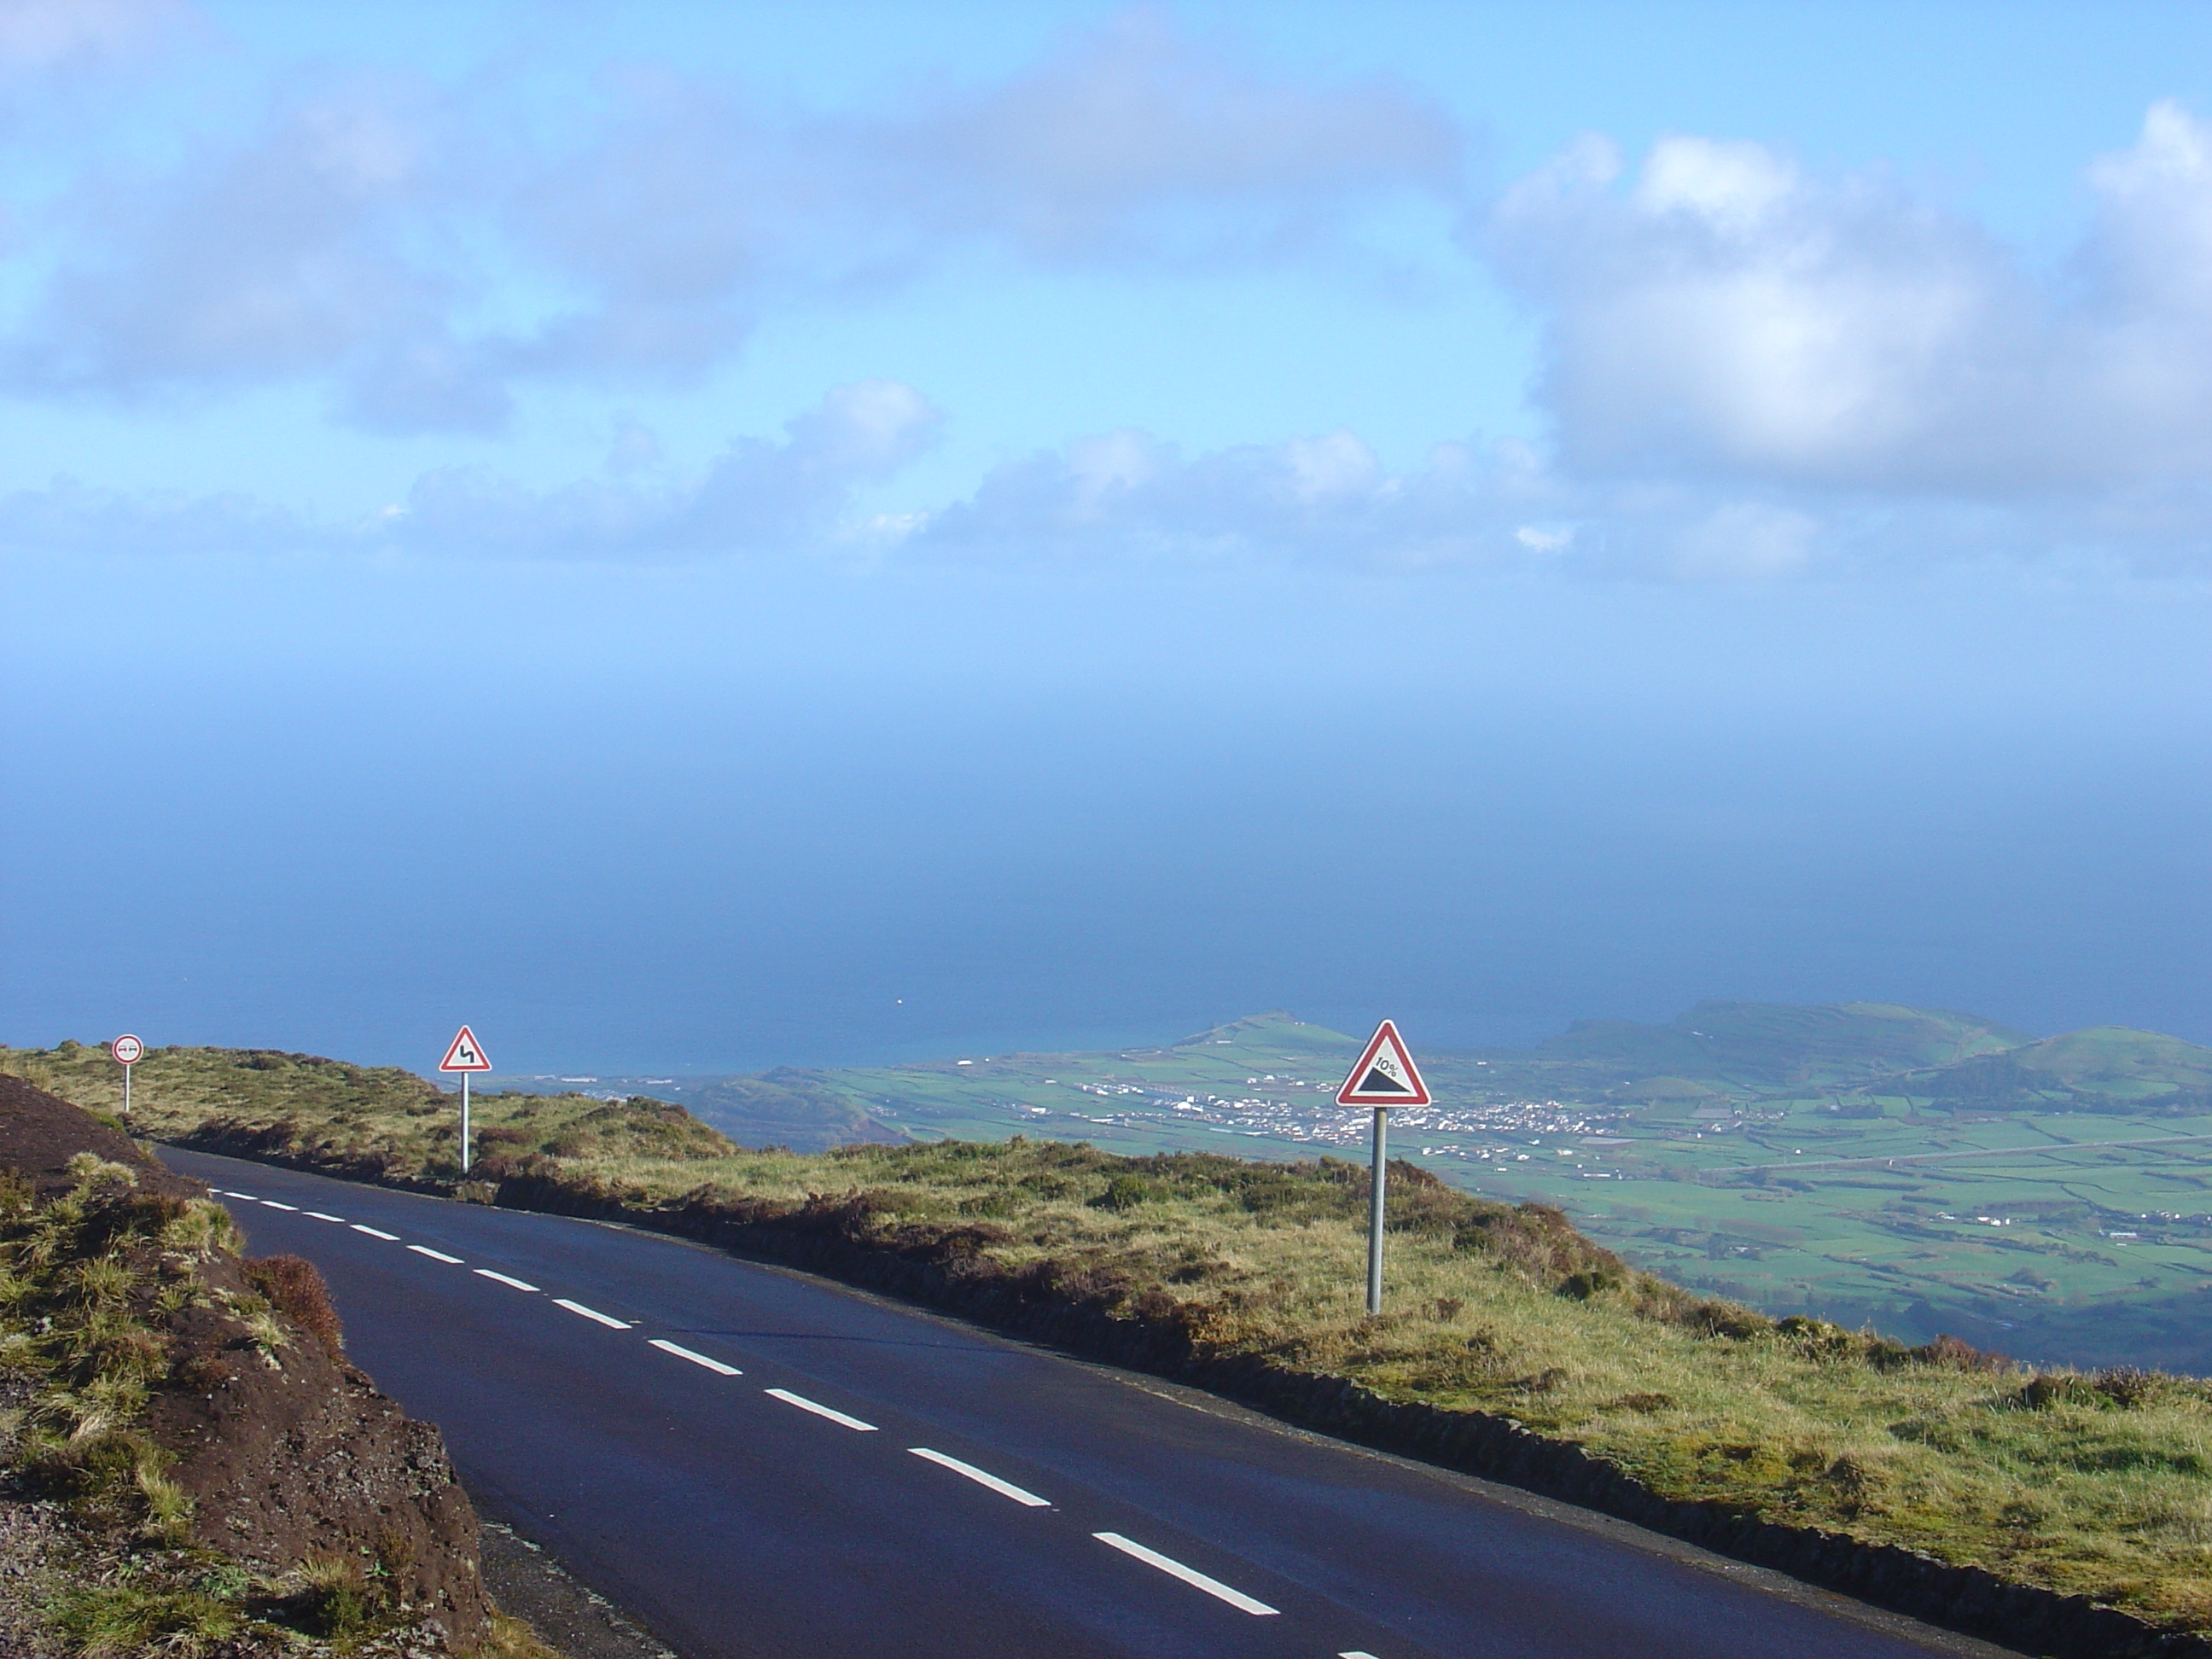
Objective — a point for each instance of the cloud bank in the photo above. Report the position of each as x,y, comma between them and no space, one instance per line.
401,243
1748,368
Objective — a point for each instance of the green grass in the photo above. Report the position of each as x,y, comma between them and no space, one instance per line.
1743,1149
2098,1483
372,1119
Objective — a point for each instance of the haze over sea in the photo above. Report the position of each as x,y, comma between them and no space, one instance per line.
720,539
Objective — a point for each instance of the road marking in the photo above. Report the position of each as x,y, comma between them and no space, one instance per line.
376,1232
248,1197
1191,1576
434,1255
695,1359
320,1216
1004,1488
590,1313
504,1280
274,1205
806,1405
1357,1653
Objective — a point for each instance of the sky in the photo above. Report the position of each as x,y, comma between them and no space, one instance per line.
701,537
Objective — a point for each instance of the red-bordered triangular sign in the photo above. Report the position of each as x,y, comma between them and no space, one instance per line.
1386,1074
467,1055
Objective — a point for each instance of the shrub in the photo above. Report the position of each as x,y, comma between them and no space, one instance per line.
1126,1192
297,1291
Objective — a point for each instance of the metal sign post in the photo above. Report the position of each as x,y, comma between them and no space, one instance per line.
1380,1165
464,1054
126,1049
1385,1076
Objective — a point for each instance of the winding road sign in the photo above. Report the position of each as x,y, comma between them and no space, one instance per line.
466,1054
1386,1074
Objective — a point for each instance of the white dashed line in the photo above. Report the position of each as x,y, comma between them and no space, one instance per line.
248,1197
695,1359
1004,1488
590,1313
504,1280
274,1205
806,1405
320,1216
1191,1576
435,1256
377,1232
1357,1653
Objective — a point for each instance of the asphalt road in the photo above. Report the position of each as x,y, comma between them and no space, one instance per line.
754,1462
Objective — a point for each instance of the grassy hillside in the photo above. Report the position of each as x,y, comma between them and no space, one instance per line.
1749,1046
2081,1483
372,1121
1835,1160
788,1108
2107,1068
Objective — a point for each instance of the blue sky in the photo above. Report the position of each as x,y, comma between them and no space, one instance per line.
702,537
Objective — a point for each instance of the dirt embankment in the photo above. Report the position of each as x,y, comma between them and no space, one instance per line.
198,1469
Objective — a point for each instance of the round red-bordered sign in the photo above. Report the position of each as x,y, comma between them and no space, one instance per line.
126,1050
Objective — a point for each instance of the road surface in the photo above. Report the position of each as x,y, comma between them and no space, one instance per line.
757,1463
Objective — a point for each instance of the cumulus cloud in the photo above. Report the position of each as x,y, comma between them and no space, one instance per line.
791,496
281,258
1119,500
758,494
402,245
1726,313
1128,496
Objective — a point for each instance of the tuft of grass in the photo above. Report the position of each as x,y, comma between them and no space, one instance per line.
129,1620
511,1639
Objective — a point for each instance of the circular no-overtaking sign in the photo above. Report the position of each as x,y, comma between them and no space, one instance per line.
126,1050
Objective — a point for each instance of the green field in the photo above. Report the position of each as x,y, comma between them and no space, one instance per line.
1925,1171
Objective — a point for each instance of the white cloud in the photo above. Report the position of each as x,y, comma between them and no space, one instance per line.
1131,496
1133,143
759,495
404,245
1733,316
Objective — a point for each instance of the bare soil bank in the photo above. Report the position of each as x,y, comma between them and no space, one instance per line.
198,1468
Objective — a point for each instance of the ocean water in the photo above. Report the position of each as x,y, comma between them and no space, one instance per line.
681,821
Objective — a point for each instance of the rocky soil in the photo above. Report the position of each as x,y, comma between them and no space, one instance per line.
188,1462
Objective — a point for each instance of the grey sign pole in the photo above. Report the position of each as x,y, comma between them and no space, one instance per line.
1374,1217
126,1050
1384,1075
464,1054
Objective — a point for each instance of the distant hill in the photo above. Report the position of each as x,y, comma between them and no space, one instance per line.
1777,1046
788,1108
2106,1069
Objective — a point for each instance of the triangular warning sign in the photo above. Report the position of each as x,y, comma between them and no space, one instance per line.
467,1055
1385,1075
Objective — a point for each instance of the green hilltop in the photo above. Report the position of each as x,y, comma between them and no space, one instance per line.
1763,1046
